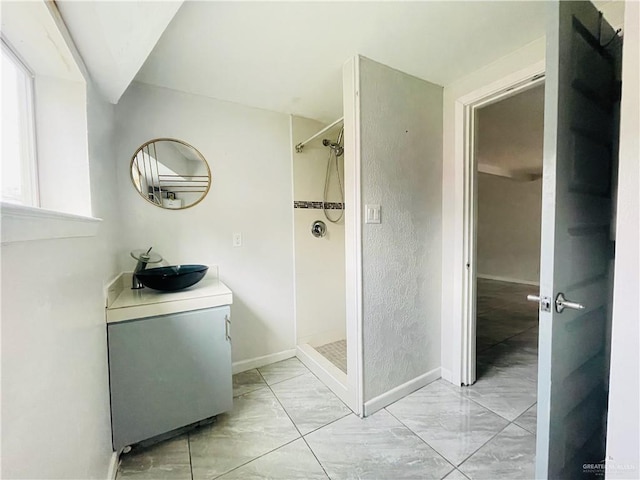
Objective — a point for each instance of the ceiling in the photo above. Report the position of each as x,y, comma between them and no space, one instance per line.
287,56
115,38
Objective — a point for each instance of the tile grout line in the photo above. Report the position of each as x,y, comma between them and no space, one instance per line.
279,381
423,441
280,403
314,456
278,400
496,413
506,339
254,459
317,378
294,423
250,391
485,443
493,365
326,425
510,422
189,448
482,406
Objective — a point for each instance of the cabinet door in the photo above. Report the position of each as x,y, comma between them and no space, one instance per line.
167,372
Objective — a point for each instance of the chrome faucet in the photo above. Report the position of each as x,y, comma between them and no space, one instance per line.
143,259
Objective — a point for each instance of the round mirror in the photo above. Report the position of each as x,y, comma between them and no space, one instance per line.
170,173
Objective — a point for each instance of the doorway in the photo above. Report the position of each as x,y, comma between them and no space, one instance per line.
499,167
507,204
508,154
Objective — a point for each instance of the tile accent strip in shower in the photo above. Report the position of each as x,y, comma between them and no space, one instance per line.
318,205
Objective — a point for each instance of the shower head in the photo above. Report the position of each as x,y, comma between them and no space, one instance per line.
336,147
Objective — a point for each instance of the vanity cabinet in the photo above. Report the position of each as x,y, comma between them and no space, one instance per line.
168,371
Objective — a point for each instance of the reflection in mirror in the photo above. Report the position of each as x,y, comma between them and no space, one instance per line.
170,173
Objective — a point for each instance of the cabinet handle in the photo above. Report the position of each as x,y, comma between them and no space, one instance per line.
227,324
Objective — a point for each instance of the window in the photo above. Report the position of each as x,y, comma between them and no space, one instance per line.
44,91
19,175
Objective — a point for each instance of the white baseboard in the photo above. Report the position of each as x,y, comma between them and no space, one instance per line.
508,279
113,466
250,364
334,378
446,375
400,391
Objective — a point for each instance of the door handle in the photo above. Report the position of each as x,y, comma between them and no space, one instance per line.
562,303
544,302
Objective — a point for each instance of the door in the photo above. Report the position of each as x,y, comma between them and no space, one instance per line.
580,143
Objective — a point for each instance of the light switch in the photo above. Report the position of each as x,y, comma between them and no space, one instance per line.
237,239
372,214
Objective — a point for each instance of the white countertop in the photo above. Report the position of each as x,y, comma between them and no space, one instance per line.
131,304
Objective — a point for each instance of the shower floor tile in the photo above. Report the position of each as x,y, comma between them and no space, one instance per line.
336,353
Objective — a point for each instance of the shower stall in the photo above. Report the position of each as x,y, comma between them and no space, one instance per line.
318,192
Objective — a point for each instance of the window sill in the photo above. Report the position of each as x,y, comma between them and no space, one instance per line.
24,224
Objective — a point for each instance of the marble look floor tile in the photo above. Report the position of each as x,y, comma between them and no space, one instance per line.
484,342
168,460
284,370
527,339
448,421
309,403
246,382
511,454
291,462
503,393
257,425
497,330
456,475
529,419
377,447
508,357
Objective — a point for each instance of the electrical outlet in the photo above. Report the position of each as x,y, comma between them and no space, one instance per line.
237,239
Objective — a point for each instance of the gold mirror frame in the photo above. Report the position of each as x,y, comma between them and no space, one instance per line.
146,173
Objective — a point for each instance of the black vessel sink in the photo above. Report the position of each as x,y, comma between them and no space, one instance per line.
170,279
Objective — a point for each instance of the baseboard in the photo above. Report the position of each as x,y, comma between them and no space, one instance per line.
250,364
446,374
113,466
508,279
400,391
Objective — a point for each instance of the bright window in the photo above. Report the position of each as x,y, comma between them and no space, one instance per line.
19,175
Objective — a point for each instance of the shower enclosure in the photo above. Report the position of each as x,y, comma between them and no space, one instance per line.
318,192
372,280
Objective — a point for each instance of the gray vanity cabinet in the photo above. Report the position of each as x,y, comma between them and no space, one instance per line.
167,372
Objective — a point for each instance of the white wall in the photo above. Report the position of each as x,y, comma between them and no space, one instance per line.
61,134
401,156
623,426
510,132
55,387
319,262
508,229
249,154
509,136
